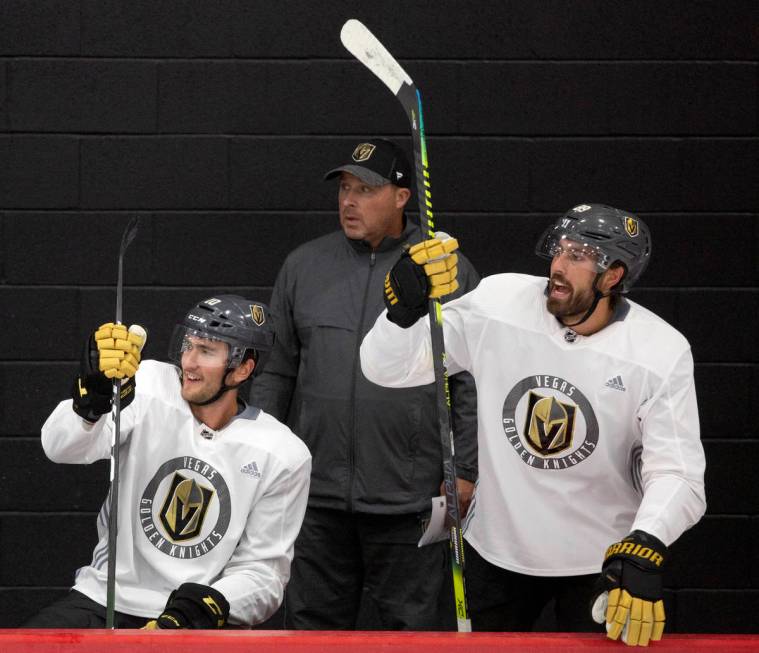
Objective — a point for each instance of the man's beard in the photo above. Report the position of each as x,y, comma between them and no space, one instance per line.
575,305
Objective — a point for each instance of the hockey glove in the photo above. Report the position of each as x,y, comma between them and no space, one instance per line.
426,271
111,352
193,606
629,597
119,349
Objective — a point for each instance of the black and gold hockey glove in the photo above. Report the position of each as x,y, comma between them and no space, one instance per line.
425,271
112,352
193,606
630,590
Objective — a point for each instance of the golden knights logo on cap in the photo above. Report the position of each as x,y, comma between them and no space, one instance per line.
184,508
550,424
362,152
631,226
257,313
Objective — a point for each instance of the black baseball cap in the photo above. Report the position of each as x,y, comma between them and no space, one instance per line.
377,162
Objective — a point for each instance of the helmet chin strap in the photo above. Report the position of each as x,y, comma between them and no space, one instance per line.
597,297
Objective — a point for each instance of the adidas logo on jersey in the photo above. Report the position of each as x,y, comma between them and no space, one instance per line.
616,384
251,469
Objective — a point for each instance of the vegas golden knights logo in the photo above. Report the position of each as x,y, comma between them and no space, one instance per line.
362,152
549,424
185,508
257,313
631,227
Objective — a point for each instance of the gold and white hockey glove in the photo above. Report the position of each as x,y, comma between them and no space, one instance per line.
425,271
629,598
112,352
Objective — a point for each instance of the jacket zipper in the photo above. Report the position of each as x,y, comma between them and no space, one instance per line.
356,363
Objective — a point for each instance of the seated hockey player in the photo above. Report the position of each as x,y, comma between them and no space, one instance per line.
212,491
590,457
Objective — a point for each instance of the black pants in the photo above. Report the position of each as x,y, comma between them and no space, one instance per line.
75,610
339,556
501,600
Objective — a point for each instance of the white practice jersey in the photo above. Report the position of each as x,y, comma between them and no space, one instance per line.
581,439
220,508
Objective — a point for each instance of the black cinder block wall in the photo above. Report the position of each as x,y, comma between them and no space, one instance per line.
214,121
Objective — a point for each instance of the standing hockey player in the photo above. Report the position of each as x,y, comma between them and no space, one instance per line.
590,456
377,454
213,491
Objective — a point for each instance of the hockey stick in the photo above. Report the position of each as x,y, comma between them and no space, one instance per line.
363,45
113,505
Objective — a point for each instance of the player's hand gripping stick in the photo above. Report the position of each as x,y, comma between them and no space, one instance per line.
111,352
425,271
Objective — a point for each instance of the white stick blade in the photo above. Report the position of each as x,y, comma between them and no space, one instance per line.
363,45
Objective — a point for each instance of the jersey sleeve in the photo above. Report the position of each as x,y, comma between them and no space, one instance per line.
673,460
254,579
67,438
402,358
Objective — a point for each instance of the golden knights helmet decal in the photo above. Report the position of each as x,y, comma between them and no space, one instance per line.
257,313
549,422
363,152
631,226
184,508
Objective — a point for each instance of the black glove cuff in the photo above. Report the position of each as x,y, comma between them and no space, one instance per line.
406,292
636,564
640,549
93,395
405,317
195,606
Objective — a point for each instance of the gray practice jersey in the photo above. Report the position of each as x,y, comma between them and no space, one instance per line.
581,439
220,508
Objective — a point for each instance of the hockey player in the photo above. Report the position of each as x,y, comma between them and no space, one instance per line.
590,456
212,491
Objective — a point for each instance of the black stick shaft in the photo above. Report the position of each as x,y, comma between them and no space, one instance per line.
363,45
113,496
410,98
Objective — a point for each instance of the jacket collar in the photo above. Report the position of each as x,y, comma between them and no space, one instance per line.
387,244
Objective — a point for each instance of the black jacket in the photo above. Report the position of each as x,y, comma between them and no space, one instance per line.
374,449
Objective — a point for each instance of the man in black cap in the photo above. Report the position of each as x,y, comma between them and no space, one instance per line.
376,451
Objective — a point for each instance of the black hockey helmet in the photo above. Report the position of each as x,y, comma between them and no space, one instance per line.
245,325
613,235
